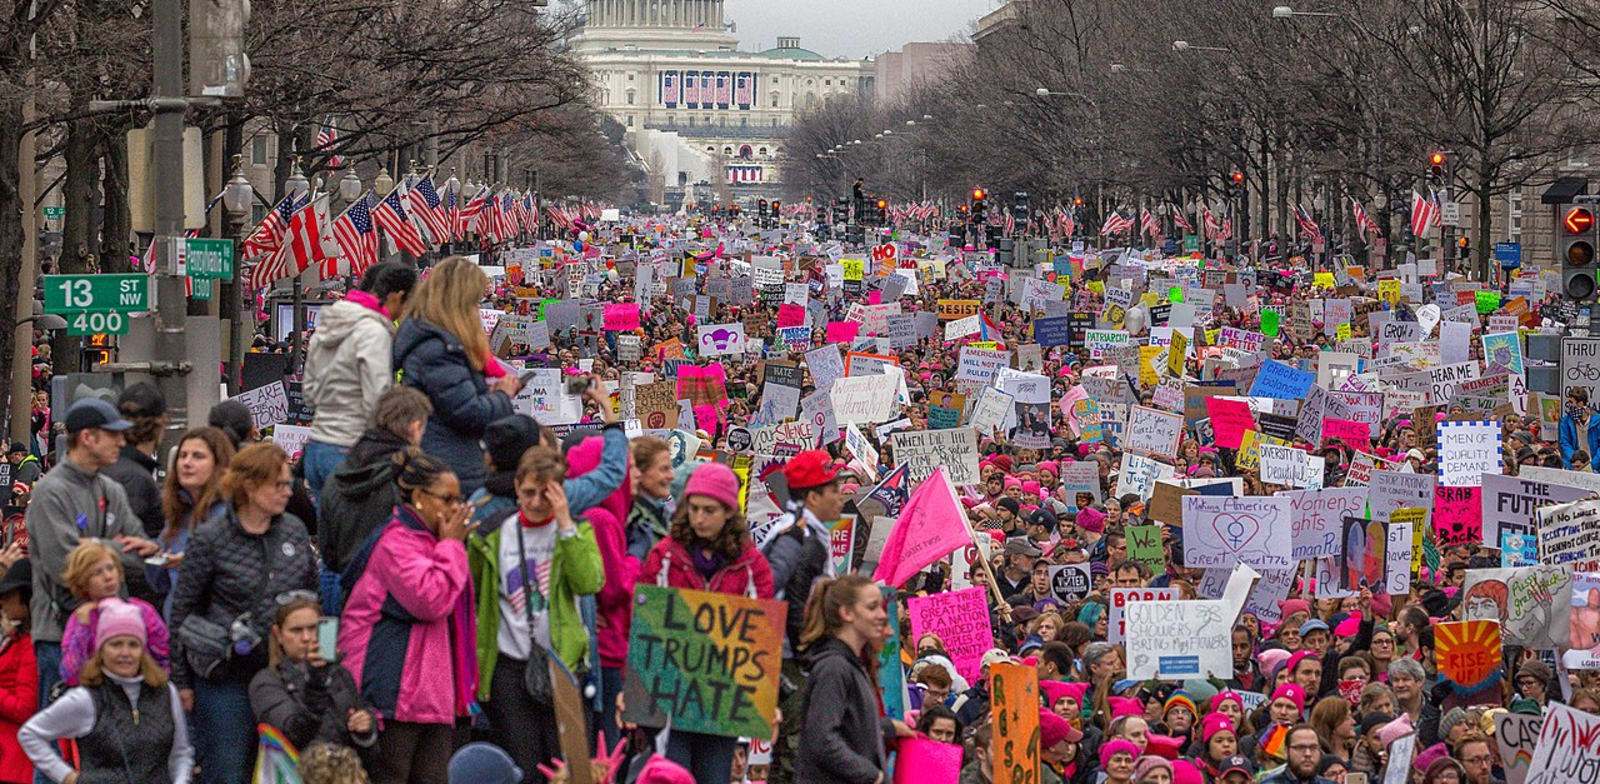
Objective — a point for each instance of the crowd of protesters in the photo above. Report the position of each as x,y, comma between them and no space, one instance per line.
386,596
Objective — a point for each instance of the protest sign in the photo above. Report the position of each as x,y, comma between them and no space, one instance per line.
1511,503
1282,465
706,662
1530,603
1376,555
269,405
1570,534
1070,582
1318,517
961,619
1567,749
1516,734
1145,547
1468,653
1390,490
1466,450
1223,531
1014,704
858,399
721,339
1457,515
1277,380
990,410
1229,421
1179,639
1154,431
891,676
1503,351
923,761
1116,623
924,450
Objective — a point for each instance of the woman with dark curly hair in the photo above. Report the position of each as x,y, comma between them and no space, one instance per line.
708,548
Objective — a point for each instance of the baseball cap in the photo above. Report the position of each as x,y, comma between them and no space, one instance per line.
1044,518
1236,762
16,446
1313,625
92,413
1021,545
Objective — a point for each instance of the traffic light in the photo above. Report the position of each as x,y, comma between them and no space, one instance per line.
1236,180
1577,252
1021,210
980,206
218,65
761,208
774,207
882,206
1436,165
1463,248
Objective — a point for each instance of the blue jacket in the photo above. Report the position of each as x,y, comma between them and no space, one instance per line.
434,361
1569,437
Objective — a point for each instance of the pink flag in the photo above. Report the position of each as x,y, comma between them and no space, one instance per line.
931,526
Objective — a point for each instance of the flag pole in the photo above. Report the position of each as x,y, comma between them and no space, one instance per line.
994,588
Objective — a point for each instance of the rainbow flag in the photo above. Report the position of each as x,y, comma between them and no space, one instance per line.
277,760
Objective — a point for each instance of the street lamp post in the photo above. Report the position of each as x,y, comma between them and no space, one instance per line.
236,199
297,186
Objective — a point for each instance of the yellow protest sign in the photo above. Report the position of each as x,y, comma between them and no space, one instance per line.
1250,449
1323,280
1414,516
1176,351
1389,291
1342,332
1149,376
1150,299
854,269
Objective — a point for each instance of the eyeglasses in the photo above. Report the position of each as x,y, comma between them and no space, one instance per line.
290,597
449,499
1481,759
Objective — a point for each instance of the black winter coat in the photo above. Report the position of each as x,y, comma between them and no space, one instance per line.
435,362
312,704
843,732
358,497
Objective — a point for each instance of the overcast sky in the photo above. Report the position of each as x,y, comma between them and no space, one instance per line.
853,28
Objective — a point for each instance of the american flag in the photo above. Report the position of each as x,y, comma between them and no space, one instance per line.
1010,223
328,136
1364,222
530,213
508,215
1147,223
1116,224
425,204
1180,218
473,208
391,215
1424,213
1308,224
1212,223
268,236
356,237
1065,222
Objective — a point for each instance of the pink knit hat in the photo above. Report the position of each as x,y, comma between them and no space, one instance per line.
1291,692
715,481
1125,706
119,619
1055,690
1214,723
1116,746
1227,696
660,770
1091,520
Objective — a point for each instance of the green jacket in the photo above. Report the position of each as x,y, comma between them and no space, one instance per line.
575,571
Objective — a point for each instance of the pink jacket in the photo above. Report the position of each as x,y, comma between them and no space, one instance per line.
413,598
77,640
610,520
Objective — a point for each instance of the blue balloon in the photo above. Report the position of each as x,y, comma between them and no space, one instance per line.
577,246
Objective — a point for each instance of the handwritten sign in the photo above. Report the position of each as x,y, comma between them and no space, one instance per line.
1318,518
1223,531
1568,745
1179,639
1154,431
961,619
1468,653
1014,704
924,450
1530,603
1116,623
708,662
269,405
1570,534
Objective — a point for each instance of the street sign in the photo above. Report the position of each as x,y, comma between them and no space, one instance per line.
55,213
209,258
1509,254
126,293
1450,213
98,323
1191,243
199,288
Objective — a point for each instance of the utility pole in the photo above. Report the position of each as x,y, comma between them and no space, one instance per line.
171,364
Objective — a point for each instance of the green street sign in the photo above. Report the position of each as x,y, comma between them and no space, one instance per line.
209,258
126,293
97,323
1191,243
199,289
55,213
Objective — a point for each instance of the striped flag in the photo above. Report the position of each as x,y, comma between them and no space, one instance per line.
1308,224
1147,223
356,237
1180,218
268,236
1364,222
425,203
473,208
327,136
391,215
301,246
1423,213
1116,224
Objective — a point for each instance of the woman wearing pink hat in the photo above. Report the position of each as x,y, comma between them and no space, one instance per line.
708,548
126,717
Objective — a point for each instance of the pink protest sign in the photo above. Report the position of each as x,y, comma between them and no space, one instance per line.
923,761
874,297
1229,420
790,315
1457,515
842,331
1353,432
622,317
961,619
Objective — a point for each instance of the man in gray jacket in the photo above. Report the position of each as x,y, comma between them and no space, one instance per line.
349,365
73,502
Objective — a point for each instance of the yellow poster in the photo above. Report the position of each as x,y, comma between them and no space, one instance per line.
1323,280
1342,332
1149,376
1389,291
854,269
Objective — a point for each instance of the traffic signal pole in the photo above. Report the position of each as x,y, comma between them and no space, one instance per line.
171,363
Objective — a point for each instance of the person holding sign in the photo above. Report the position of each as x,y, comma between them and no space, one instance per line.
844,730
708,548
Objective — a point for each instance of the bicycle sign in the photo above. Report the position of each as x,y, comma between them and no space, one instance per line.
1580,366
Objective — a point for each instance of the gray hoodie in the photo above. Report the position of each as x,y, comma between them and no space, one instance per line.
69,505
348,367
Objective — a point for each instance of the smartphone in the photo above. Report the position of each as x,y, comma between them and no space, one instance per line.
328,637
527,375
1355,778
577,385
159,559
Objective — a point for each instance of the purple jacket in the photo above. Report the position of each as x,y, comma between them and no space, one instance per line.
77,640
407,633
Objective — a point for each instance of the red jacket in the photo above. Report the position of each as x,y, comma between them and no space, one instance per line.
19,699
749,571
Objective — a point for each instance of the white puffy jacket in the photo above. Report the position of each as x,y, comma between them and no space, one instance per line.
349,365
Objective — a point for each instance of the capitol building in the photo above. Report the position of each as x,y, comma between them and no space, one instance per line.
700,114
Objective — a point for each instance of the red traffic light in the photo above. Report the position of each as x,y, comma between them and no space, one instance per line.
882,204
978,194
1436,159
1238,177
1578,220
1077,202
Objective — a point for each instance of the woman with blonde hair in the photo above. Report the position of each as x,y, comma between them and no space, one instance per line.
94,572
442,350
126,717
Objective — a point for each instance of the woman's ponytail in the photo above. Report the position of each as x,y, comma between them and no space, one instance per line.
827,598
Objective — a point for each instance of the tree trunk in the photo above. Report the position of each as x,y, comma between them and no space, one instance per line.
116,231
79,238
11,231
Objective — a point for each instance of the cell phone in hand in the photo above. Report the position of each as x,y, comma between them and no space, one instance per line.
577,385
1355,778
527,375
328,637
